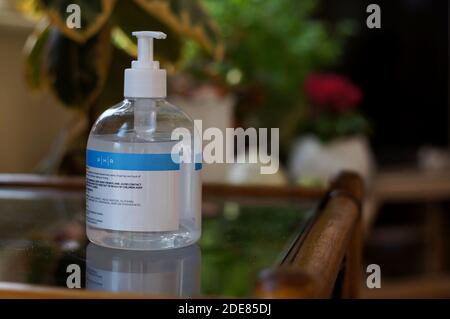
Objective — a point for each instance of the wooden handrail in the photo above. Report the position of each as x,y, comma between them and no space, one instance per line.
42,181
78,183
27,291
334,235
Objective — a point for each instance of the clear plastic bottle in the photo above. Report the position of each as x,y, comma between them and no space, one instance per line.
137,197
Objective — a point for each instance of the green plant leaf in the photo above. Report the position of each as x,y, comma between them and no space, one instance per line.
187,19
77,72
32,9
128,17
330,126
112,91
94,14
34,49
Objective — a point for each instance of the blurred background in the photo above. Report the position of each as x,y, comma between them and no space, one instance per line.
345,96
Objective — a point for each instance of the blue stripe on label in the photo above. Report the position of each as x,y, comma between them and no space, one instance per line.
133,162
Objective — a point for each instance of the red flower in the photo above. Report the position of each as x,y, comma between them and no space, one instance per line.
332,92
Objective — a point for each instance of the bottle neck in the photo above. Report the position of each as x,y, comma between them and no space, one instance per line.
143,99
145,111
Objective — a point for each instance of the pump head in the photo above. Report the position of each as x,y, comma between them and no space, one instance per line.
145,47
145,79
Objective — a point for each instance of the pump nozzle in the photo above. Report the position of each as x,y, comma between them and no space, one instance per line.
145,79
145,46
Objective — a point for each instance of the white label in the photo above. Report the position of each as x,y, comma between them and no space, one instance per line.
129,199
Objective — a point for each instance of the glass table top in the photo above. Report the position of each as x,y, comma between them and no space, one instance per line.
42,241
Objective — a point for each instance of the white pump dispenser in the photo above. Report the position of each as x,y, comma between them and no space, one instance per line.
137,196
145,79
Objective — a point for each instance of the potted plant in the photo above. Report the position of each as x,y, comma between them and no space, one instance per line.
334,135
83,66
263,65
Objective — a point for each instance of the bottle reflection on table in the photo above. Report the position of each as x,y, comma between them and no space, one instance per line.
169,273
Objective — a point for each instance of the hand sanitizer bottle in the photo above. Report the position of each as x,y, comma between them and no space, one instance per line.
137,196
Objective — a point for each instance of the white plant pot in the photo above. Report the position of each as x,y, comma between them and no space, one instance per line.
315,162
214,111
250,173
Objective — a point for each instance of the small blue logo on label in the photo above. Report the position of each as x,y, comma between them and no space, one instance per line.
104,160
